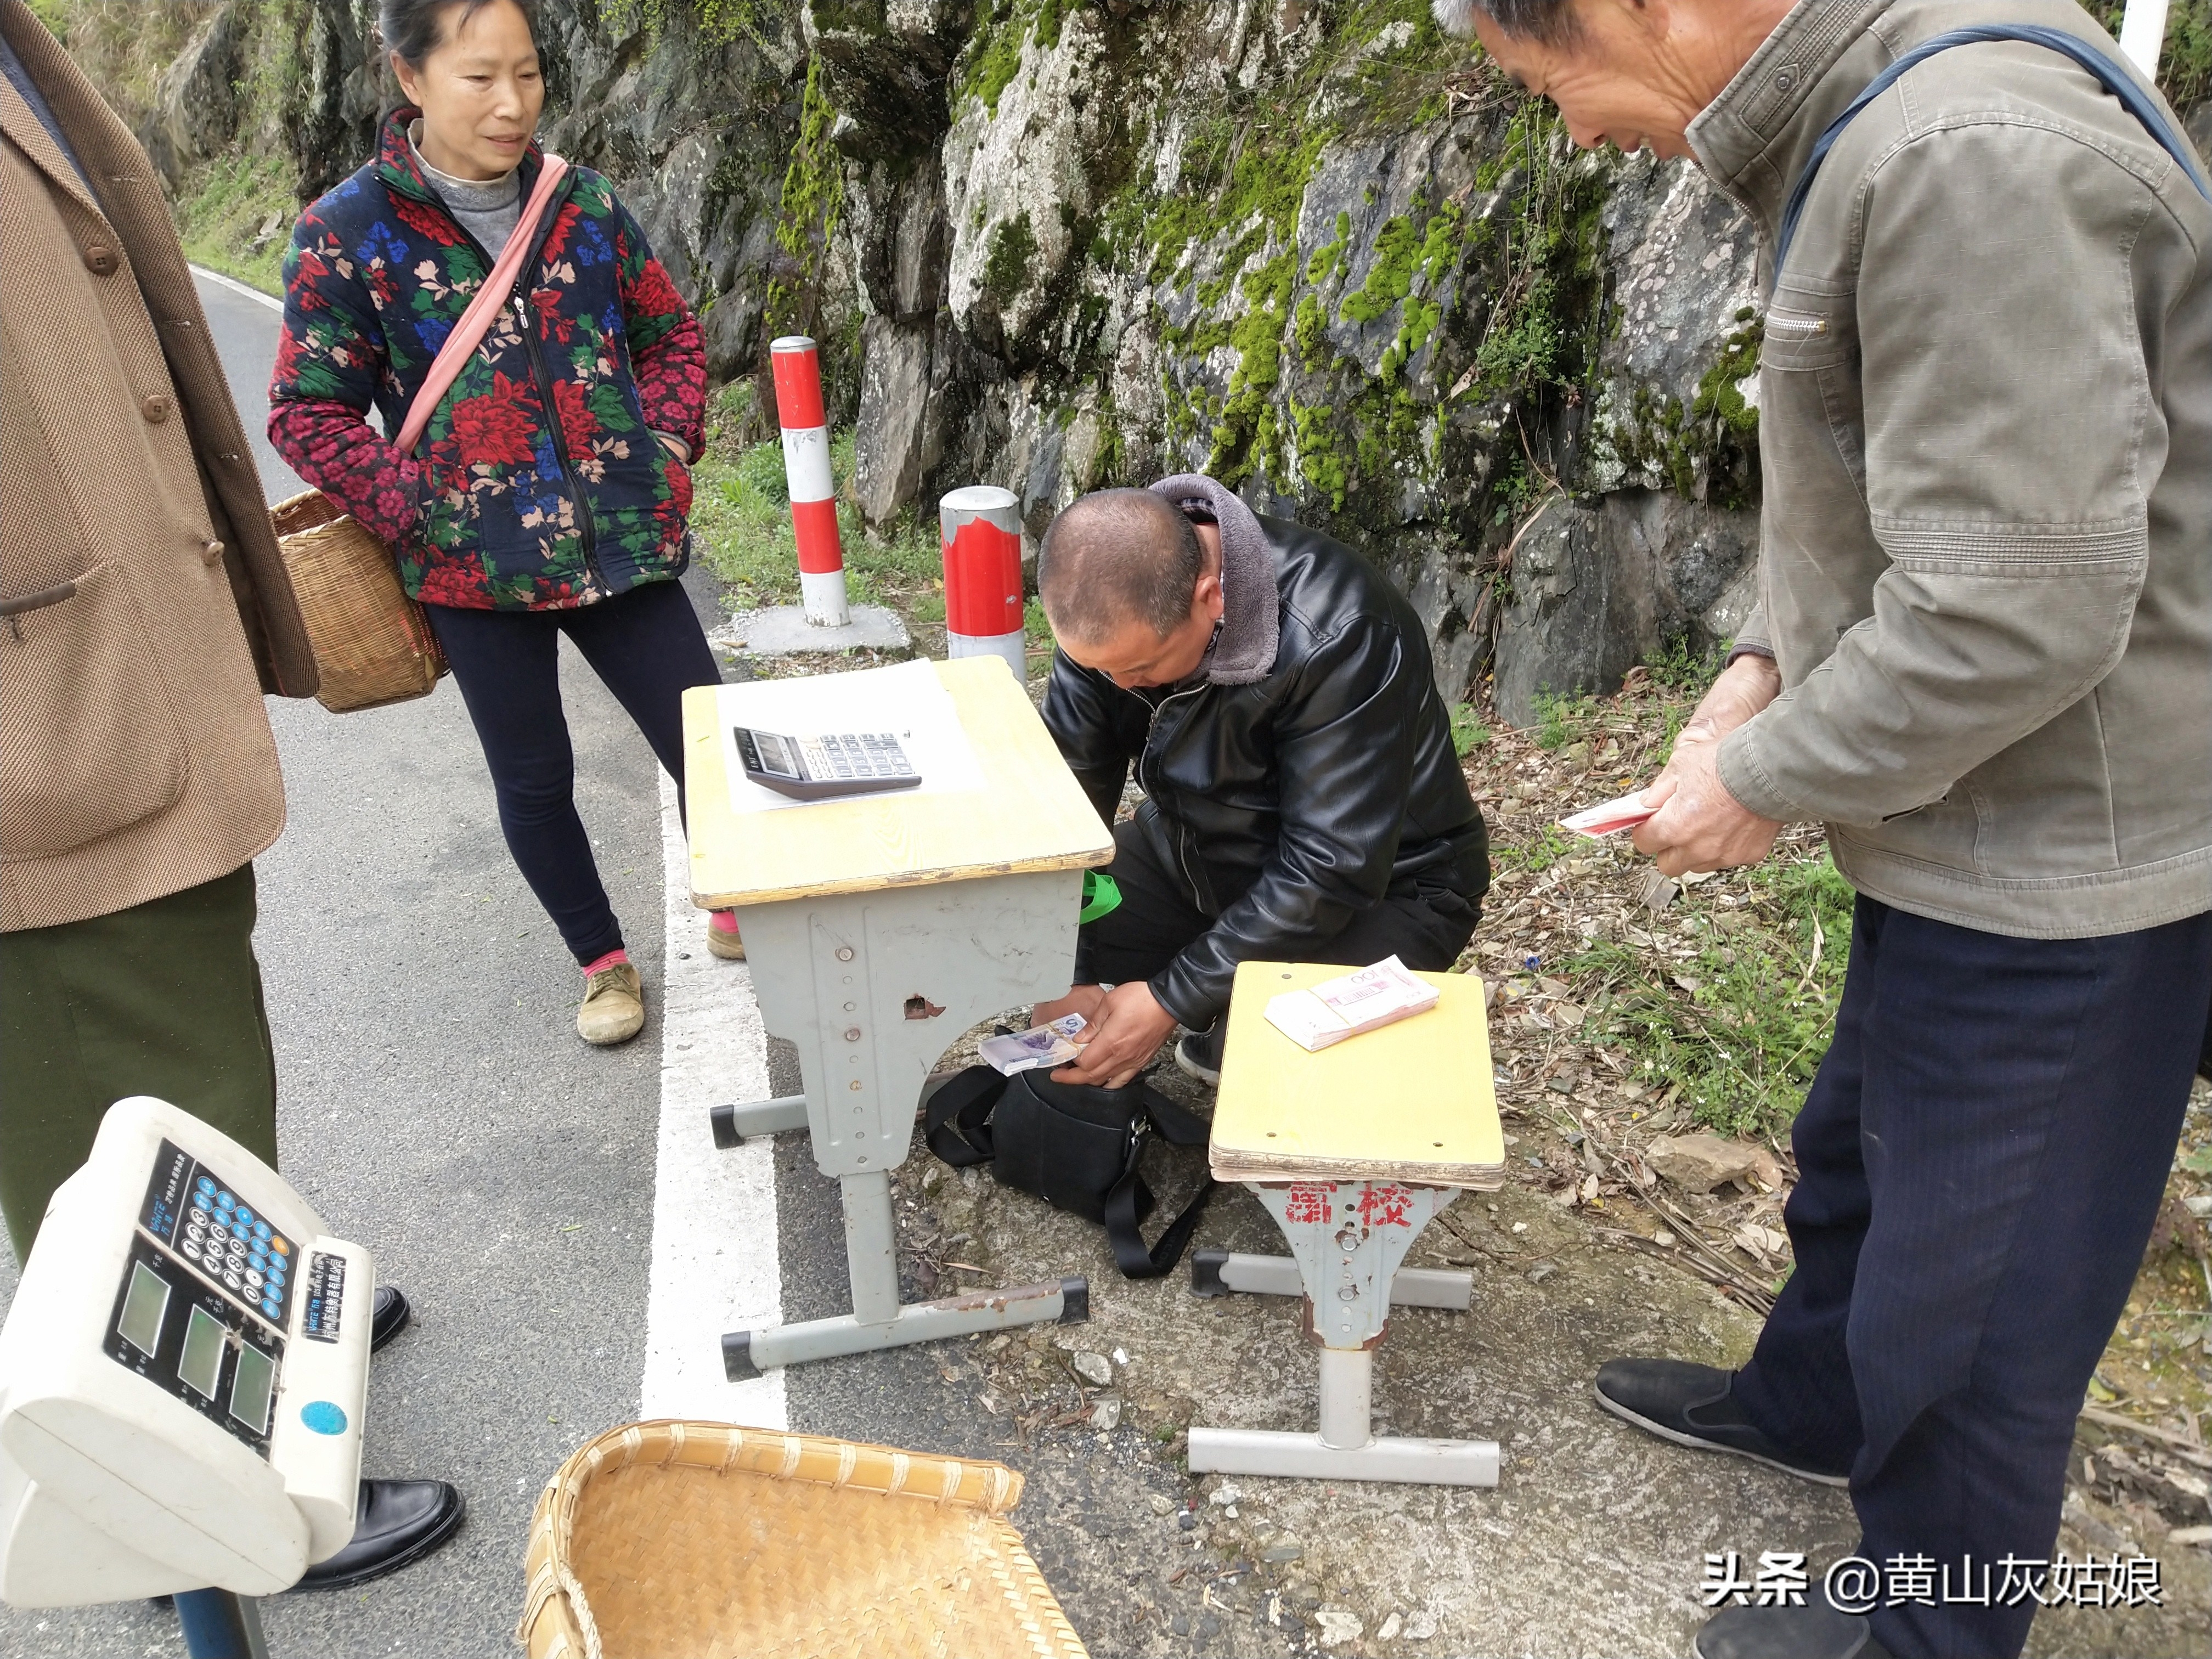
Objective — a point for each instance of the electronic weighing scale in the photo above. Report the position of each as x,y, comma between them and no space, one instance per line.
182,1380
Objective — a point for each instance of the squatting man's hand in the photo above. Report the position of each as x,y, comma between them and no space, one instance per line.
1124,1028
1700,825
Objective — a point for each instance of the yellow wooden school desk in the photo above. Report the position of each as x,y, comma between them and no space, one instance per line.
879,928
1352,1150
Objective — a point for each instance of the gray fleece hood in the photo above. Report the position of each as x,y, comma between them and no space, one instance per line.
1244,651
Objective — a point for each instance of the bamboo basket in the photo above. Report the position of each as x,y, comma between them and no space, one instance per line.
703,1541
373,644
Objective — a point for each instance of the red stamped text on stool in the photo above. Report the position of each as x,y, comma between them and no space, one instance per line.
1385,1206
1308,1200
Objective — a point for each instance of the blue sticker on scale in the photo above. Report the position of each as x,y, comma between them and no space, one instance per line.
323,1417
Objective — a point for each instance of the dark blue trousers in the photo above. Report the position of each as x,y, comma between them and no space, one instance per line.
1980,1160
647,648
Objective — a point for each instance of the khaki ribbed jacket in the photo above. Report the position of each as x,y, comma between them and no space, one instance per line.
143,605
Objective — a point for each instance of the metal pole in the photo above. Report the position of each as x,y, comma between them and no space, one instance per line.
220,1625
1347,1398
871,1246
981,531
805,428
2142,34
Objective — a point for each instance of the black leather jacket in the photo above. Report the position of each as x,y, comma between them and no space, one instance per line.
1290,803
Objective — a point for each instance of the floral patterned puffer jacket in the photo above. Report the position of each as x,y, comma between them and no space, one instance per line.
538,483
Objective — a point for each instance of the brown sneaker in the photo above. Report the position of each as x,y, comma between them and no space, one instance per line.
614,1005
722,939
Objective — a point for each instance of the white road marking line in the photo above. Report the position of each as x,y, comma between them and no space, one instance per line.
237,287
716,1266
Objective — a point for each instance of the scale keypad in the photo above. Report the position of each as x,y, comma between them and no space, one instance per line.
192,1211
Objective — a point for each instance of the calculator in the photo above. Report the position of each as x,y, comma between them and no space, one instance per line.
835,763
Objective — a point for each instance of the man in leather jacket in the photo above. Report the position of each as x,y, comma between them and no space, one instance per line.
1300,798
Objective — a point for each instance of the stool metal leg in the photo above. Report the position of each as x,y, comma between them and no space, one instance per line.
731,1125
1347,1398
871,1246
1347,1240
1217,1273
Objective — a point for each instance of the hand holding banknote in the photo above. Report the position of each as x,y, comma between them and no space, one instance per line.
1698,825
1684,817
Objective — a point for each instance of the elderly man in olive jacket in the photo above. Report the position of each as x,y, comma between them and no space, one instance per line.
1983,660
143,611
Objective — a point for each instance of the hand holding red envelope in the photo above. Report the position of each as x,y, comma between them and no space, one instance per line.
1608,816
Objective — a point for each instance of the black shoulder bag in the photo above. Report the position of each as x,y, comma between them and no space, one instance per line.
1076,1146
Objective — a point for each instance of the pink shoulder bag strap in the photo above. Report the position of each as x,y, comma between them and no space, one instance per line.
490,298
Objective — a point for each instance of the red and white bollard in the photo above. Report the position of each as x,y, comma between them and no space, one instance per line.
981,529
806,468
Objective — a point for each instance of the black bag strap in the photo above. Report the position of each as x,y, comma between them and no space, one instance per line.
1176,1126
958,1125
1130,1197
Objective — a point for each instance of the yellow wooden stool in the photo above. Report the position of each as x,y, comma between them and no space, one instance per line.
1352,1150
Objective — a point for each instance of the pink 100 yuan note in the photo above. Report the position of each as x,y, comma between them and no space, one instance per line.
1607,816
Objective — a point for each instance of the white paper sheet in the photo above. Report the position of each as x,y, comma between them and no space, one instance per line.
907,700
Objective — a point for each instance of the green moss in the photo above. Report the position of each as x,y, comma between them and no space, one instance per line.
1247,435
1006,264
812,198
1389,278
1711,446
995,48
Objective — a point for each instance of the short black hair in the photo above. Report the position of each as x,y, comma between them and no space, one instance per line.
1552,22
414,28
1117,555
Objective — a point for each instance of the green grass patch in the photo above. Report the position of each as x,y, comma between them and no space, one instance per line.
741,524
1468,734
235,216
1550,846
1739,1027
1561,719
1678,668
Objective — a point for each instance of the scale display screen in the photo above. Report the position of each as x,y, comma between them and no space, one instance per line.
143,1305
206,1292
200,1364
251,1388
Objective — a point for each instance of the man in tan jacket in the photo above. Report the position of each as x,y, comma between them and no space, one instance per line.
143,611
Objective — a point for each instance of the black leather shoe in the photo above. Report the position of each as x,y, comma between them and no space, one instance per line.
1198,1054
388,1316
1690,1405
397,1523
1815,1630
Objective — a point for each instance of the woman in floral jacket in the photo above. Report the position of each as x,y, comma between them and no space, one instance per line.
548,493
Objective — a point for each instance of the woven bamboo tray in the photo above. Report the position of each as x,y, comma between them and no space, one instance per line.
371,643
702,1540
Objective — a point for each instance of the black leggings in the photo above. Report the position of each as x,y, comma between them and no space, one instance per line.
647,648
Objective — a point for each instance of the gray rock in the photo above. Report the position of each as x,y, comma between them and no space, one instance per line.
196,110
1575,624
1283,1546
1700,1161
888,442
1338,1625
1093,1368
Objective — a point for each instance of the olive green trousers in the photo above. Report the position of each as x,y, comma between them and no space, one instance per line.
163,998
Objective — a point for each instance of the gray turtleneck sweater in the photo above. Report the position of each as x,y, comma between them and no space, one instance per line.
489,208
